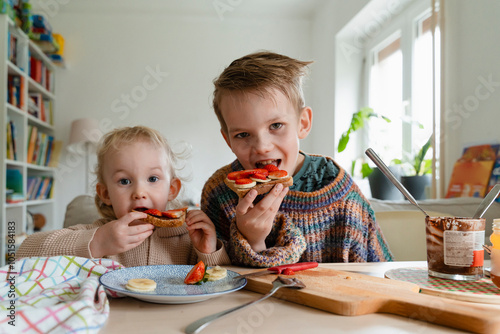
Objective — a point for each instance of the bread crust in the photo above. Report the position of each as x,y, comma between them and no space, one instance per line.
261,187
164,221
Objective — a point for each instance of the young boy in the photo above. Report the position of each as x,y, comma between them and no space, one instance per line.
323,217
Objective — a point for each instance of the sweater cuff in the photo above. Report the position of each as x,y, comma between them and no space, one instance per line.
219,257
82,244
288,247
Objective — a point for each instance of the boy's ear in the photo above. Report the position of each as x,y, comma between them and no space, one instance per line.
175,188
305,122
102,192
225,138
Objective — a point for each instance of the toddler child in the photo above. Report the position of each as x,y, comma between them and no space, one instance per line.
323,217
135,169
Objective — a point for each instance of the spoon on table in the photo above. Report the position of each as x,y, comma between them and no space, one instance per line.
384,169
487,201
279,282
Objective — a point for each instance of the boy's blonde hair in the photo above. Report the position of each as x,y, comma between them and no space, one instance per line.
124,136
260,72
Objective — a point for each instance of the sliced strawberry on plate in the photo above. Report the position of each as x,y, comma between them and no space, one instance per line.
196,274
271,168
153,212
278,174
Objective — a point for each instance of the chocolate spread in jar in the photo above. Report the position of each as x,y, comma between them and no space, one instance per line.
454,247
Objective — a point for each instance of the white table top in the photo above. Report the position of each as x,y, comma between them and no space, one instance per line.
128,315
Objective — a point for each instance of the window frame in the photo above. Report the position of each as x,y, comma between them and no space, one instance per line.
405,25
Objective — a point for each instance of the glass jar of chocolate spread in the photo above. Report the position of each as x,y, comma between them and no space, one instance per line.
495,253
455,247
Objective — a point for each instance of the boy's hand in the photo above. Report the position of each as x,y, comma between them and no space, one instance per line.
120,235
256,222
201,231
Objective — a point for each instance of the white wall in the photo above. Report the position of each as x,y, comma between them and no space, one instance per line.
471,57
110,56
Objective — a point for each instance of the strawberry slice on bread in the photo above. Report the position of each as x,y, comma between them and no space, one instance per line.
169,218
260,179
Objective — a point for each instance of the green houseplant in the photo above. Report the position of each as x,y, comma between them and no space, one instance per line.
380,186
358,121
418,171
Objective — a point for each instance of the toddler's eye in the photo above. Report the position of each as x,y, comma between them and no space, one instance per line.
242,135
153,179
276,126
124,181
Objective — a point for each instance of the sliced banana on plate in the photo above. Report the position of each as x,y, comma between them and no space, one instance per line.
141,285
216,273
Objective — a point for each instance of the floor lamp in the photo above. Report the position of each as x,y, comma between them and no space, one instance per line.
84,135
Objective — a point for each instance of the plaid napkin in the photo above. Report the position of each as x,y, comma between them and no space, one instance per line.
59,294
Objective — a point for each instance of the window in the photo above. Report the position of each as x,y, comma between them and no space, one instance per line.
400,84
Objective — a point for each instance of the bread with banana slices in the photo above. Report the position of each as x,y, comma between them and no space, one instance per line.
260,179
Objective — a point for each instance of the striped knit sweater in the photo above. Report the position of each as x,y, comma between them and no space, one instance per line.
333,224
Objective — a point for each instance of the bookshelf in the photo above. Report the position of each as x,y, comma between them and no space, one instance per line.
28,148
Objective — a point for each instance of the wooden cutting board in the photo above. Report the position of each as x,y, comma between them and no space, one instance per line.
347,293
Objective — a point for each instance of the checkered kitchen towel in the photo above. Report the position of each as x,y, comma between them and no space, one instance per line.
59,294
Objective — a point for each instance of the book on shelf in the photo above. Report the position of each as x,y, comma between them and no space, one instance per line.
495,174
12,48
15,89
55,153
32,136
40,107
42,148
14,186
39,187
40,73
11,141
471,175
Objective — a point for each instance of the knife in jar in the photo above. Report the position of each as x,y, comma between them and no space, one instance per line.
279,269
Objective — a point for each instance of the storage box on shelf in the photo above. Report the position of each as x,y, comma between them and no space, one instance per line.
28,149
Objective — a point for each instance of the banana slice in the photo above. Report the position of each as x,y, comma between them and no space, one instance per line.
216,273
141,285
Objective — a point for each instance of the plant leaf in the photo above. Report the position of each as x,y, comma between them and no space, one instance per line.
419,158
366,170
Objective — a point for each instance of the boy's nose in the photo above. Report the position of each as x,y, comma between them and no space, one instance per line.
262,144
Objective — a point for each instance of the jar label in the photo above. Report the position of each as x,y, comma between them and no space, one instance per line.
463,249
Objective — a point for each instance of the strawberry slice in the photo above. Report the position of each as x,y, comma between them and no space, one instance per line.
259,177
196,274
251,172
271,168
234,175
244,181
153,212
174,214
278,174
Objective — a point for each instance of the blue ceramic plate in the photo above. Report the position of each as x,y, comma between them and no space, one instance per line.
170,287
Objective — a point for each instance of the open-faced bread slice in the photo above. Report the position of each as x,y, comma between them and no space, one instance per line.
262,180
169,218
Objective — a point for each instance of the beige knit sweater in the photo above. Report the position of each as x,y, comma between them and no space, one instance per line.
165,246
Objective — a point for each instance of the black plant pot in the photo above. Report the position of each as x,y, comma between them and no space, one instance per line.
416,185
381,187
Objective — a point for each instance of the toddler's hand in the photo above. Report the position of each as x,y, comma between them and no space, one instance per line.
256,222
120,235
201,231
